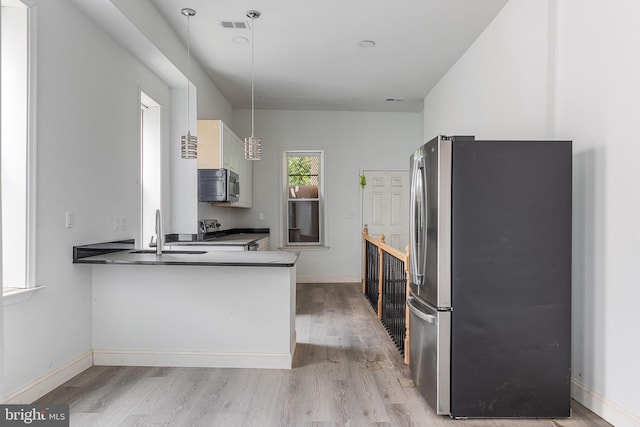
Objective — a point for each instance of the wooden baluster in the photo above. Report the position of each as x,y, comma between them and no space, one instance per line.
380,278
365,234
407,340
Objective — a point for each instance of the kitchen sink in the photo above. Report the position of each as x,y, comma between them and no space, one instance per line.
152,251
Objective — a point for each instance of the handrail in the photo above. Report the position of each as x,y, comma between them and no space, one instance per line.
380,242
403,257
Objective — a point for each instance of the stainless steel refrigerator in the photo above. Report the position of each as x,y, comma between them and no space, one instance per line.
490,277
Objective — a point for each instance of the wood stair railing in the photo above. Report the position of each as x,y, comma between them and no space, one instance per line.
385,275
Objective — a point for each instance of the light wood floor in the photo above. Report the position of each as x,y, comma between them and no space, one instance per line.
347,373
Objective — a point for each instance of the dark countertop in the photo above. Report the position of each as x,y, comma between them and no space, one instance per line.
231,237
123,253
93,249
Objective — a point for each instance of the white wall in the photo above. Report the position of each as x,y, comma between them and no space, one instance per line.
354,141
598,107
498,89
140,29
87,160
86,163
211,104
569,70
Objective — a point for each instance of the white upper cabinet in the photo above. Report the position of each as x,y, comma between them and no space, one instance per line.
232,150
219,147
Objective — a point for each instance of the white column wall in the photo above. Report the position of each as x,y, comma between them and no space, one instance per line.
209,104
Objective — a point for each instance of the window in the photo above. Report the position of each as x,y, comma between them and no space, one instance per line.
17,185
304,198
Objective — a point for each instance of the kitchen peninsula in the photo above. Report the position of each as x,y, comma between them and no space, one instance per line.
200,308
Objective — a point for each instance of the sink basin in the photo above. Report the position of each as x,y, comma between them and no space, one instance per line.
152,251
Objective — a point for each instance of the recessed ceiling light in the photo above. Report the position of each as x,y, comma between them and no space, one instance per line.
367,43
240,40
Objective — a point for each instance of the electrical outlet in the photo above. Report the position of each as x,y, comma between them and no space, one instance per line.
261,216
123,223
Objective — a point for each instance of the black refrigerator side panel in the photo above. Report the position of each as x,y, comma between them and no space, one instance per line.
511,279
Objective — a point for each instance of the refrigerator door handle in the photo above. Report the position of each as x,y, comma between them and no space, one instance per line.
429,318
412,219
418,222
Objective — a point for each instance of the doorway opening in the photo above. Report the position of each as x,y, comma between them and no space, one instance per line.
150,167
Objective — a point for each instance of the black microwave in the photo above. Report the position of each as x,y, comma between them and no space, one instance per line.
218,185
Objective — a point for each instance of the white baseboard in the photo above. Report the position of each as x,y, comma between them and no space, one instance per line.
52,379
603,407
39,387
328,279
103,357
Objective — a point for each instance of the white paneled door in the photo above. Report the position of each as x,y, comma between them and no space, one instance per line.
385,206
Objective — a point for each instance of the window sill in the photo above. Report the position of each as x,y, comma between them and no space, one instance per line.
13,296
305,248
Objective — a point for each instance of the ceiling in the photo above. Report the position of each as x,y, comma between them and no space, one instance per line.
307,54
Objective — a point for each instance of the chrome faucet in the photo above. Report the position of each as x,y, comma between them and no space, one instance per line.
158,233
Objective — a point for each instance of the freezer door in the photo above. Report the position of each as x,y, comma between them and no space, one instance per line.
430,354
430,225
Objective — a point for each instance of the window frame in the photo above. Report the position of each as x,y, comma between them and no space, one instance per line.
322,204
31,156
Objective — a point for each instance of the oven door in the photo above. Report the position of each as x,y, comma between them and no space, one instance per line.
212,185
233,186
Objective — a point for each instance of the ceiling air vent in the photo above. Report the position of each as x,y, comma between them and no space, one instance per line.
241,25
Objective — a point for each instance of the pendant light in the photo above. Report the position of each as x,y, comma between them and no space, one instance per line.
188,142
252,145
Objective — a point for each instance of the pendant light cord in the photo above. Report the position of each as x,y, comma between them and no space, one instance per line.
252,82
188,73
252,148
188,143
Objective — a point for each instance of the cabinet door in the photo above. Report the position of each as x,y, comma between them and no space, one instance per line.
230,158
209,147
